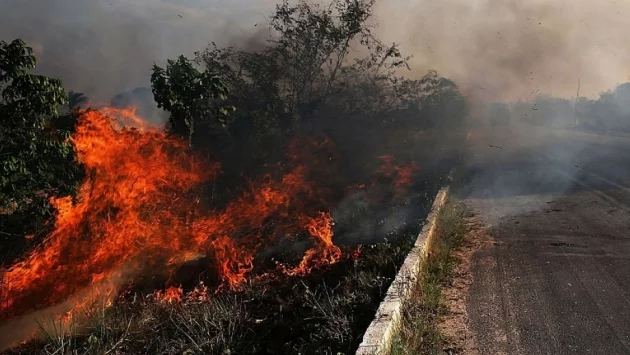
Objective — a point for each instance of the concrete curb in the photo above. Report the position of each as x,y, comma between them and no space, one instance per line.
377,338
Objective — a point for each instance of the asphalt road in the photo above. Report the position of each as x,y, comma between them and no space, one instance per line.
556,278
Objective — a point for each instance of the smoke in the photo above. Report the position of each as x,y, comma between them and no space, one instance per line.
64,318
512,50
494,49
508,49
360,221
106,47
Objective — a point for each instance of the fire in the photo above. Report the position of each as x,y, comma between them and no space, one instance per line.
320,229
200,293
402,176
170,295
137,211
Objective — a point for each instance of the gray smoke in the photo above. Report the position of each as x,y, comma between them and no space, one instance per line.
364,223
494,49
105,47
507,49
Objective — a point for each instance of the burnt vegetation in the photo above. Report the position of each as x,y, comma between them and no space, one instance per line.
323,92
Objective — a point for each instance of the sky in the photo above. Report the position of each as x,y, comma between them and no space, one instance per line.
494,49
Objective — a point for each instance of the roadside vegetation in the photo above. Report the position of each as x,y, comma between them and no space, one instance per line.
321,77
418,331
325,313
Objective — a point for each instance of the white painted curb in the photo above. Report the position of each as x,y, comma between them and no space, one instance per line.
377,338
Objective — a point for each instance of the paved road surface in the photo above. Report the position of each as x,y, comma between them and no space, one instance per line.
557,278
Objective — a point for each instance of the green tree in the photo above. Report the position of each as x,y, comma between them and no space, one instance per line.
36,157
193,98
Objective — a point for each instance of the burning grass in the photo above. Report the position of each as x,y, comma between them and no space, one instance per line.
325,312
138,211
139,260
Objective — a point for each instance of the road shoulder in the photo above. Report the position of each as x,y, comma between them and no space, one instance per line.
454,325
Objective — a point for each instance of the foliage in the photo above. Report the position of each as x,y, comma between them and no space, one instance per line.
36,157
306,60
192,97
320,71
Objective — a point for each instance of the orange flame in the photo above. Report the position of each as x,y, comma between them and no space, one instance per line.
402,176
170,295
325,252
137,210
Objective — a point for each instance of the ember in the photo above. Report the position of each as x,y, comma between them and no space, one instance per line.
402,175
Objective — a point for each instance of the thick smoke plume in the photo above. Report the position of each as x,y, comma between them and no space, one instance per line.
106,47
494,49
508,49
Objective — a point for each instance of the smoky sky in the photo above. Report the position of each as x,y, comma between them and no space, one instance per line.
494,49
508,49
104,47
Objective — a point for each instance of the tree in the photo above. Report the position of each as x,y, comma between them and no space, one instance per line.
36,156
193,98
323,72
313,54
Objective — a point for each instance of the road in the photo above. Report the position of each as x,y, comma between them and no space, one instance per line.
556,276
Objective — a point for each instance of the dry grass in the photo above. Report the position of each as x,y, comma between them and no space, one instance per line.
418,332
324,313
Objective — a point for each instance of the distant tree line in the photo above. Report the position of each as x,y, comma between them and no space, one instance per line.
609,113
